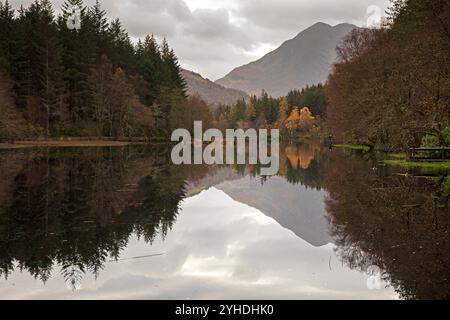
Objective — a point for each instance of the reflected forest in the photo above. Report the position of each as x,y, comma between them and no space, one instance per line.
73,210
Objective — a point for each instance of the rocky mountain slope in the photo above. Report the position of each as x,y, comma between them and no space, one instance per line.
209,91
305,59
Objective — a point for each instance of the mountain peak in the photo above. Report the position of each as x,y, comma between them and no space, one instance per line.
326,25
304,60
345,25
318,25
321,27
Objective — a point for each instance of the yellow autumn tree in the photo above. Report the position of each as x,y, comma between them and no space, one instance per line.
306,120
293,121
306,115
299,120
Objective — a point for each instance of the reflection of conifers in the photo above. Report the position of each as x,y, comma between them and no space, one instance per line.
10,165
77,208
399,223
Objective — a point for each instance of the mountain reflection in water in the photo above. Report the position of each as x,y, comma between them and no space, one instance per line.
126,223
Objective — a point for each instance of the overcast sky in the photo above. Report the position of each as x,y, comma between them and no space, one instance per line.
214,36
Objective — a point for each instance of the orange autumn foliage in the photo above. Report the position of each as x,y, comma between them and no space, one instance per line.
299,120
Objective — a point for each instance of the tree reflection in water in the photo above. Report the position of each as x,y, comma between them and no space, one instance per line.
75,209
397,222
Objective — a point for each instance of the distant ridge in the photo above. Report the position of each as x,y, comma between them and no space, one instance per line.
209,91
305,59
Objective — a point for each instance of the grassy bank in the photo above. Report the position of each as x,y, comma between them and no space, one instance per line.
399,160
445,165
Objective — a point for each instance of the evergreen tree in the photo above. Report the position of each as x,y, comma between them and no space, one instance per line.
79,55
121,50
39,69
172,71
312,96
7,41
150,62
99,22
21,74
62,77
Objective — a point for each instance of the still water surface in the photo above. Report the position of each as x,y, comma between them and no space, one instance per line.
123,223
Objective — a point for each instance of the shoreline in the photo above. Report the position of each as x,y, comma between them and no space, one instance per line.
76,143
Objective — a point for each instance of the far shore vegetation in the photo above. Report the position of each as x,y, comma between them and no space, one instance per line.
93,82
442,165
401,160
389,89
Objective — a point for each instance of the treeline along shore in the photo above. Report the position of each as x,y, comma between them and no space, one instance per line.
92,81
388,90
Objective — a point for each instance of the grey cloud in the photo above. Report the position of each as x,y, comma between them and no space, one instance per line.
159,17
212,37
279,20
288,14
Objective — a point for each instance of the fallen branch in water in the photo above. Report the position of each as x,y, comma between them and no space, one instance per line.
139,257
